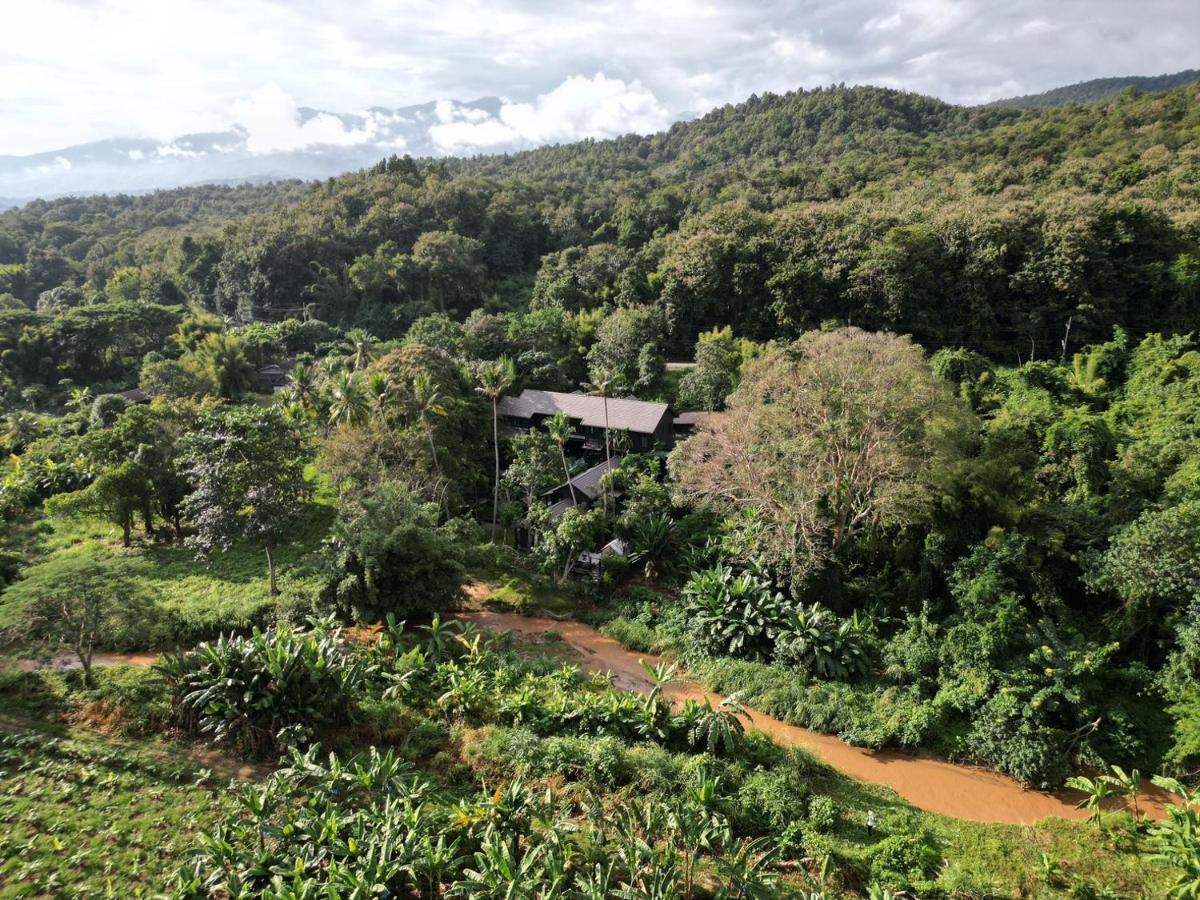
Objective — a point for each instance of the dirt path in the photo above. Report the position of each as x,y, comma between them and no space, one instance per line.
931,784
67,661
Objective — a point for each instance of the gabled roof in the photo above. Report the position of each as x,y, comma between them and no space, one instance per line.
135,395
624,414
689,419
588,483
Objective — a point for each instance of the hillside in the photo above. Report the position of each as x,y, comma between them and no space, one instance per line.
1097,89
984,227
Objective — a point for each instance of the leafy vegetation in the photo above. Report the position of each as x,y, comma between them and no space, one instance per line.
966,525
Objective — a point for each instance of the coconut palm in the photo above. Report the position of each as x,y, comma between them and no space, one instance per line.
496,377
304,390
426,402
361,345
604,379
561,428
223,356
348,402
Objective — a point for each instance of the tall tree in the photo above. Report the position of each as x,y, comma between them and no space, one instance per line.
604,379
224,357
495,377
831,438
427,401
560,428
247,466
348,402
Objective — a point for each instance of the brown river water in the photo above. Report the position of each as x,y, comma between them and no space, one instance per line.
963,792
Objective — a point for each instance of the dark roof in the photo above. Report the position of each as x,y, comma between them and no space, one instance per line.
135,395
638,416
588,483
689,419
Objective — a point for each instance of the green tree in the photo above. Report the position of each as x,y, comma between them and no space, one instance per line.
560,429
223,356
495,377
247,468
79,603
388,556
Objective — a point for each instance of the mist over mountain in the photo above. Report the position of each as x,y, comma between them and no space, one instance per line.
284,144
282,141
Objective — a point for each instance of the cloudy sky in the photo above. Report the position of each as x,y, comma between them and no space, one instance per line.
80,70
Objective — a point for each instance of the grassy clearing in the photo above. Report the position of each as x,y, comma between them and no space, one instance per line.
93,818
198,599
514,587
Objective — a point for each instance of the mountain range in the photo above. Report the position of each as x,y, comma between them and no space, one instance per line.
340,142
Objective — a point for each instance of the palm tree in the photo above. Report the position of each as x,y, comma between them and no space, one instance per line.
379,392
426,401
303,390
361,345
224,357
496,377
560,427
348,404
21,429
601,385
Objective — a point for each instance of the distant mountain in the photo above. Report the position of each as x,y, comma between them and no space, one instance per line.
133,165
1101,89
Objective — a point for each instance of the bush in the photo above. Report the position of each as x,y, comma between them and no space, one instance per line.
265,692
767,802
736,615
822,814
387,554
903,861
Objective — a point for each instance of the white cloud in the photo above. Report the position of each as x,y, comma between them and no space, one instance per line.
82,70
273,123
580,107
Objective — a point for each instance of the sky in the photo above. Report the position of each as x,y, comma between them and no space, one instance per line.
73,71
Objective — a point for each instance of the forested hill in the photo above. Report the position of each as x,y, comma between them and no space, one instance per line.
987,227
1102,89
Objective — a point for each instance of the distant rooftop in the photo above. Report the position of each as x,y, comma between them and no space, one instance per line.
624,414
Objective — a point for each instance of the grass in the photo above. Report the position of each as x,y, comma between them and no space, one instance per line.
514,587
86,817
197,599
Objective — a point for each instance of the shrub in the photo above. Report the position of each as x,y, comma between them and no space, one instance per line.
817,641
262,693
902,861
768,802
822,814
387,554
737,615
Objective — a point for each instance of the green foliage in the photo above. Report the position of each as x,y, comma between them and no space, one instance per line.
263,693
735,614
387,554
247,465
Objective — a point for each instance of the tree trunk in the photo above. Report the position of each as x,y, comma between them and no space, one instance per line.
567,471
85,662
607,455
271,571
127,531
148,518
496,482
433,449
